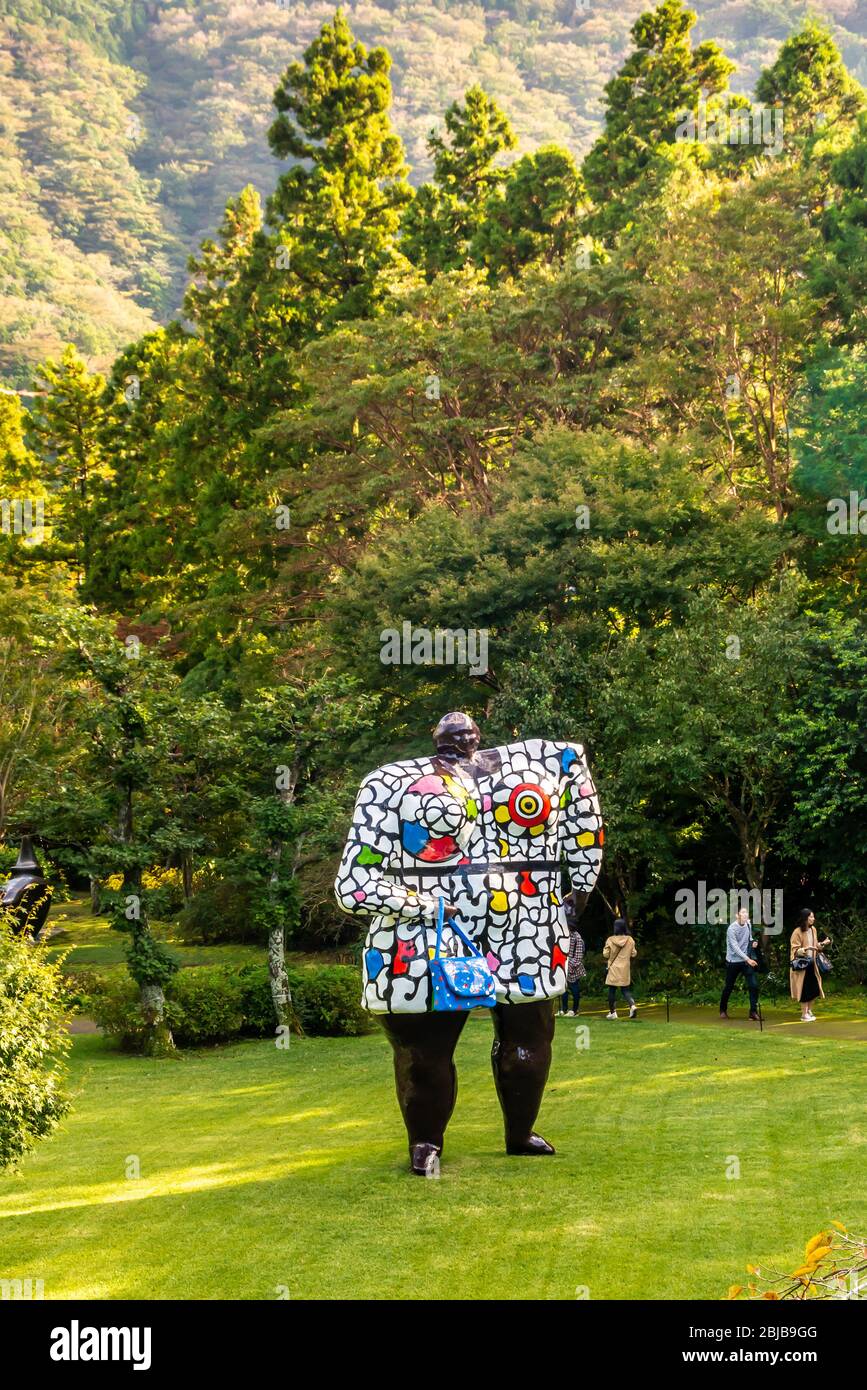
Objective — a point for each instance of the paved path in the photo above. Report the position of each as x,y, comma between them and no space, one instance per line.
780,1021
82,1025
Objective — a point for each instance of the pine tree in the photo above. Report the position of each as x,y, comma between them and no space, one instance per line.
534,216
445,215
810,82
663,78
68,422
335,214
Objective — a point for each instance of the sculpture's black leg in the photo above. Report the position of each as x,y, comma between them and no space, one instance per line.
521,1058
425,1077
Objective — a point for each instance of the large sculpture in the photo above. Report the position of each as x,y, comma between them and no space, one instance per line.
487,831
26,897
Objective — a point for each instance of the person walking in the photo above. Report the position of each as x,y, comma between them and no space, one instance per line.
805,977
741,960
576,970
619,951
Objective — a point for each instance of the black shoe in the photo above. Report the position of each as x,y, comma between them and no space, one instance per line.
422,1157
532,1147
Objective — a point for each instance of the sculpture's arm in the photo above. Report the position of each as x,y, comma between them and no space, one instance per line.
582,833
364,885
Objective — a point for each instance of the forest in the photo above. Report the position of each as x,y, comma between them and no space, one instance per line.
606,412
125,125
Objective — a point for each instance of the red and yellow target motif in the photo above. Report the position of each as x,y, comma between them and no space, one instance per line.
522,807
529,805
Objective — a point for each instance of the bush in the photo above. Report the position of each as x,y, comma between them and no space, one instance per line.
327,1001
218,913
33,1042
79,987
162,893
205,1006
215,1003
849,951
114,1005
257,1006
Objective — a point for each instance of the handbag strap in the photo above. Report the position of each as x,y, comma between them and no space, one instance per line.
441,912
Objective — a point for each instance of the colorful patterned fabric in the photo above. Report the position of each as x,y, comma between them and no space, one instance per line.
488,836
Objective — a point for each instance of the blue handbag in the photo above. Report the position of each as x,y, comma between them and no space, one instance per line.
459,982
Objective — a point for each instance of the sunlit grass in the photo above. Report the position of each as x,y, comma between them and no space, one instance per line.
260,1168
89,943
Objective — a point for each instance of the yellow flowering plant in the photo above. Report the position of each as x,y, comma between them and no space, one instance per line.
834,1266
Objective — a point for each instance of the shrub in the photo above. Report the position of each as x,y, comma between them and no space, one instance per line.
214,1003
163,893
257,1005
33,1042
79,987
849,951
205,1006
115,1006
327,1001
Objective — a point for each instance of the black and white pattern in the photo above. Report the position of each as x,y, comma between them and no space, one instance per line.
490,837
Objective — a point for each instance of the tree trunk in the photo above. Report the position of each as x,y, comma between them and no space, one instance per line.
94,894
159,1042
280,992
187,874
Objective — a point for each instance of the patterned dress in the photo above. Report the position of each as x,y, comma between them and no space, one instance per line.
487,835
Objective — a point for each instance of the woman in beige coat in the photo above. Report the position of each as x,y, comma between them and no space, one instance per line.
619,950
805,983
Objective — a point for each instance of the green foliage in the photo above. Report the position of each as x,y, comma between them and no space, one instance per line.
219,911
327,1001
148,961
841,273
663,78
115,1005
33,1043
809,80
205,1007
440,223
830,447
336,212
212,1004
534,216
68,425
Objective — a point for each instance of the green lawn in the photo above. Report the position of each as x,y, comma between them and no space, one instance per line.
263,1168
89,943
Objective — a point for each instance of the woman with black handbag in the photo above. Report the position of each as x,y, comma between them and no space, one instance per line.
807,964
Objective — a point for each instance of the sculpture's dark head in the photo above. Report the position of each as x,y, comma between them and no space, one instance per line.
456,736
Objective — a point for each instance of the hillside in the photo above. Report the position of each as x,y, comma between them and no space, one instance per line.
125,124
